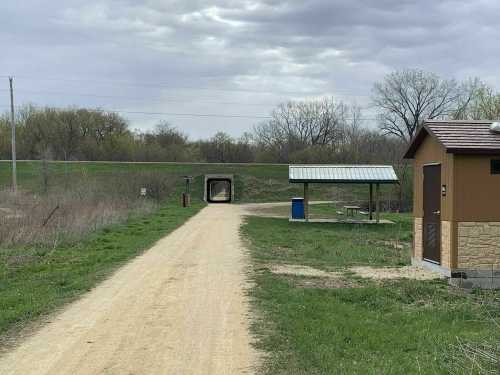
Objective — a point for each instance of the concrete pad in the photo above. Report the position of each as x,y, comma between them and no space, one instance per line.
343,221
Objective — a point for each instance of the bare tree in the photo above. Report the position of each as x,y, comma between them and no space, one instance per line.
167,135
406,98
483,104
322,124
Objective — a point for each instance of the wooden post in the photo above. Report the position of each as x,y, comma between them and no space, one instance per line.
370,204
378,203
306,201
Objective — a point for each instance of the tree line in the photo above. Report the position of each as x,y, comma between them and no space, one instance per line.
314,131
317,132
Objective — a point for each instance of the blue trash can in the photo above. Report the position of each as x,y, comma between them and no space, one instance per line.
298,208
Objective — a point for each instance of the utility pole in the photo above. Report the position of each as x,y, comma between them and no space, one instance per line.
13,140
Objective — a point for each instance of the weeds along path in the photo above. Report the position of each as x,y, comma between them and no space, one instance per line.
180,308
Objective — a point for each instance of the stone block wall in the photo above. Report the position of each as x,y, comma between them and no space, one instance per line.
446,243
479,245
418,250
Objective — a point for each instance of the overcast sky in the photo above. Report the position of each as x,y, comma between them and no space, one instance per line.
233,57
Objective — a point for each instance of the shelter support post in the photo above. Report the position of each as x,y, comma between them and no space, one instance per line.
378,203
370,202
306,201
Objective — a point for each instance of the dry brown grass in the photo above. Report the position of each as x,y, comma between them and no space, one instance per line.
475,357
480,355
71,209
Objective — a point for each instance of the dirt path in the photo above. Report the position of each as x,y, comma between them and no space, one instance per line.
178,309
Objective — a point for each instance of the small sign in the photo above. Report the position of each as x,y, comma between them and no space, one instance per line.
144,191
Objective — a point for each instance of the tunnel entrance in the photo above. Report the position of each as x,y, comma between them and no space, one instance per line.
219,191
219,188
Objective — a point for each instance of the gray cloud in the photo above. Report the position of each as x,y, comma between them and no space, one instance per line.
272,50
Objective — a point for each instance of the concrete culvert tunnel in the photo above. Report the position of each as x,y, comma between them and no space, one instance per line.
219,188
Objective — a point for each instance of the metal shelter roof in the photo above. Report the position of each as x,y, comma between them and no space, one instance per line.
351,174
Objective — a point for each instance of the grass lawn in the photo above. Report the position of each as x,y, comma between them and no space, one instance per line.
36,280
372,327
330,246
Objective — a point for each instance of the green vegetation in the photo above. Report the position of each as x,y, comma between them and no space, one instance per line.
329,246
71,225
252,175
43,268
253,183
311,325
35,280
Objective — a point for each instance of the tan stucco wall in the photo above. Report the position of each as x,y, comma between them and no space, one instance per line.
479,245
431,152
477,191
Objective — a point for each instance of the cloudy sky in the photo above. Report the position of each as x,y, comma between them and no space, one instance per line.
163,60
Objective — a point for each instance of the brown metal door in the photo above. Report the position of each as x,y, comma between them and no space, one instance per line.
432,213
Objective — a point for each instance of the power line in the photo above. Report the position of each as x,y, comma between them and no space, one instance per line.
136,98
148,84
178,114
187,114
92,95
170,86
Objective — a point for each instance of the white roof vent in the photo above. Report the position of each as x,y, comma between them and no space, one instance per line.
495,127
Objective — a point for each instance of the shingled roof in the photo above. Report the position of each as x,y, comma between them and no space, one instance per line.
458,137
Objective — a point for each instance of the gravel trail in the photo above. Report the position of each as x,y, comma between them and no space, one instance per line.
180,308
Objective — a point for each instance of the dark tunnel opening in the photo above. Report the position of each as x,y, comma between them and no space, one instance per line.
219,190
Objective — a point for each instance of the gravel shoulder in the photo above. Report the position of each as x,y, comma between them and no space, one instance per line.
180,308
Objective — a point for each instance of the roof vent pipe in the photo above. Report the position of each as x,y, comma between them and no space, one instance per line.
495,127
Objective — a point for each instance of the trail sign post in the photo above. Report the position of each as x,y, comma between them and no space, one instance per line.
186,196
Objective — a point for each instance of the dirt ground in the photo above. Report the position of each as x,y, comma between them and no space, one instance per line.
376,273
406,272
180,308
298,270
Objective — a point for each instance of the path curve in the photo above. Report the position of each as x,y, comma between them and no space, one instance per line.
180,308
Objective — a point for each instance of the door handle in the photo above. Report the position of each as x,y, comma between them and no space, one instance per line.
437,212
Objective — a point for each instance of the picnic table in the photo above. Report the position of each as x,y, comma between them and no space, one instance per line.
352,210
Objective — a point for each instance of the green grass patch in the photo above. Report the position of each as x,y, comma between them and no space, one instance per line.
390,327
328,246
35,280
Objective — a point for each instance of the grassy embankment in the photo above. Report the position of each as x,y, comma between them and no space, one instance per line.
253,183
361,326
